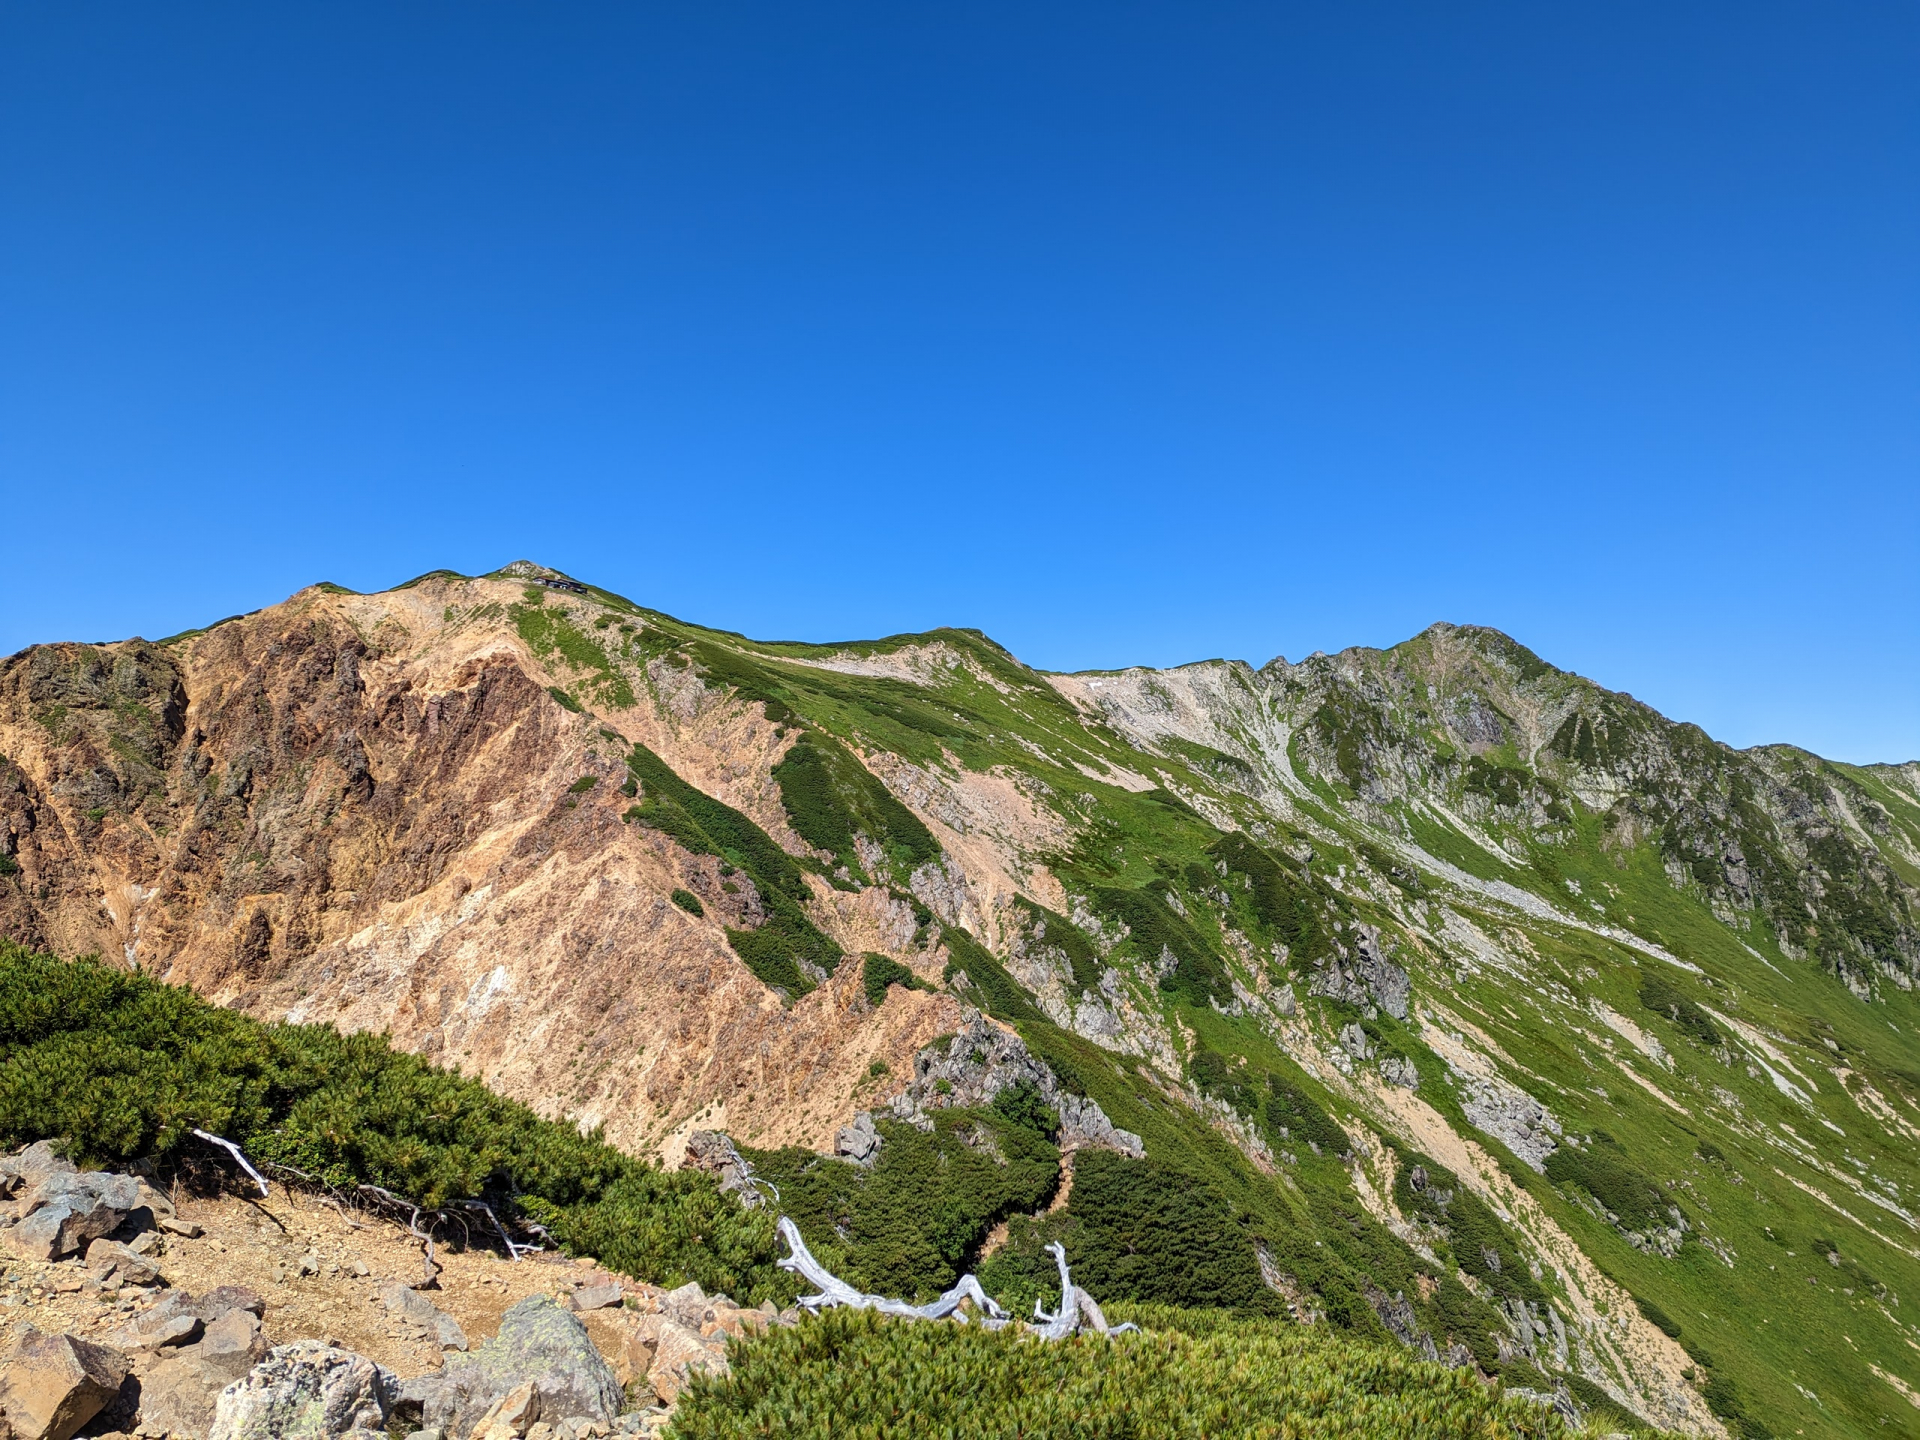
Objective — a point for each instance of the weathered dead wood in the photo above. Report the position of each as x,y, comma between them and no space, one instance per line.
1077,1308
835,1291
234,1150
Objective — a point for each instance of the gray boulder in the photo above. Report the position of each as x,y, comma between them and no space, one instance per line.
65,1210
417,1309
538,1341
305,1391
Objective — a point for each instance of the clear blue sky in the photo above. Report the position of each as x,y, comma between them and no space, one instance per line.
1127,333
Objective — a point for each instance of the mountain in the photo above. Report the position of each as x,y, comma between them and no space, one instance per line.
1450,996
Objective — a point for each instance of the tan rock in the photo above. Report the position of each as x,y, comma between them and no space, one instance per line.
511,1416
679,1353
54,1384
110,1260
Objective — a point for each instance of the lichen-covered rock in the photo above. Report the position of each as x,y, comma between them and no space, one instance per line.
304,1391
537,1340
52,1385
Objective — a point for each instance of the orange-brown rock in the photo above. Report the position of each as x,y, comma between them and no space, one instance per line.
363,810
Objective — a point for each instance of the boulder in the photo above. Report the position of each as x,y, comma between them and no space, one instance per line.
64,1210
222,1298
233,1344
688,1305
304,1391
537,1340
54,1384
177,1396
858,1142
679,1353
110,1261
597,1297
417,1309
31,1165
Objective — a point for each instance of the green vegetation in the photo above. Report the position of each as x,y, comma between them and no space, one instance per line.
830,797
1660,995
909,1224
864,1376
1136,1230
689,902
878,972
119,1066
548,633
777,949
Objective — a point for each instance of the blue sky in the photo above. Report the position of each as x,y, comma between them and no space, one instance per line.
1127,333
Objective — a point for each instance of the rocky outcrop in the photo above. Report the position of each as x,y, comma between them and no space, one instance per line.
537,1338
973,1067
305,1391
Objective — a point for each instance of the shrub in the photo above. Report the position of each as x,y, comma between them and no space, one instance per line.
1136,1230
1604,1173
853,1374
1659,994
908,1224
121,1066
706,826
829,797
879,972
583,784
689,902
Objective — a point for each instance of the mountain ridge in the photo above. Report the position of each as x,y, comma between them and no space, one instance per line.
1233,905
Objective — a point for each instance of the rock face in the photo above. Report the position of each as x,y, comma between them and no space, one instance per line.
982,1060
307,1389
361,808
537,1338
54,1384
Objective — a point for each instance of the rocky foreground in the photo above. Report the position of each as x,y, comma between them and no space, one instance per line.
126,1310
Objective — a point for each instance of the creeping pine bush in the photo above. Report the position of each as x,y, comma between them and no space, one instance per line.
907,1225
858,1376
120,1066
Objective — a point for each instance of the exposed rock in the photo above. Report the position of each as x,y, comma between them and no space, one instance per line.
597,1297
858,1142
537,1338
1397,1071
110,1261
714,1152
1354,1041
222,1298
688,1305
1511,1115
1366,979
981,1061
512,1415
304,1391
64,1210
54,1384
417,1309
31,1165
678,1353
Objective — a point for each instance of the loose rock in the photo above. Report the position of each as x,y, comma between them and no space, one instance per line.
54,1384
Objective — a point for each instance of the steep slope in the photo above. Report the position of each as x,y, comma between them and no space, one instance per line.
1454,997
